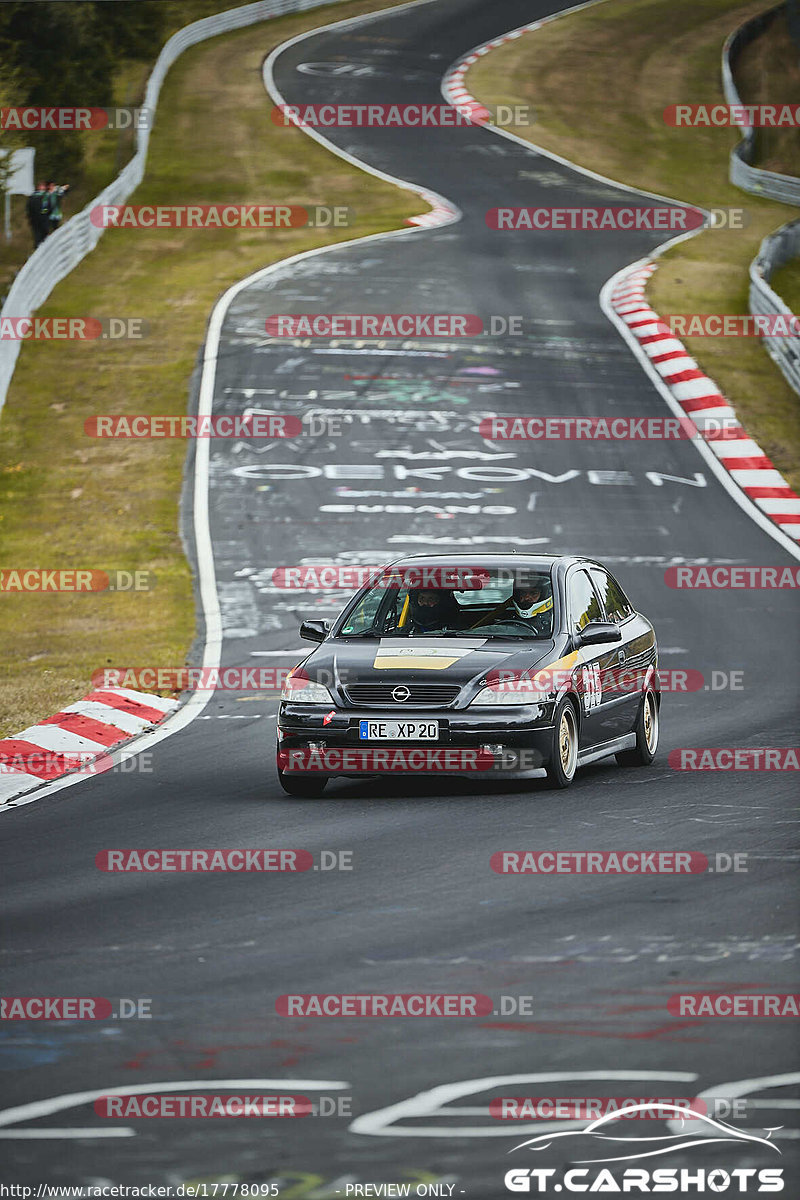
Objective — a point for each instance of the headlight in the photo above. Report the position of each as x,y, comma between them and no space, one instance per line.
299,689
512,686
517,693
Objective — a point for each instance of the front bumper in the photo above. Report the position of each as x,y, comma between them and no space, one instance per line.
511,741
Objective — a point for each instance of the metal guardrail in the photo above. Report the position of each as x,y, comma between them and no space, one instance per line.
782,246
63,250
771,184
776,250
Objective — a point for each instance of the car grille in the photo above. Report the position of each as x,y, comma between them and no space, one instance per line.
423,695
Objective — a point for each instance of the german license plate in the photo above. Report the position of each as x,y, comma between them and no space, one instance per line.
398,731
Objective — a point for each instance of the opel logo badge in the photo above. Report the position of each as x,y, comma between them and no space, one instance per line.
401,694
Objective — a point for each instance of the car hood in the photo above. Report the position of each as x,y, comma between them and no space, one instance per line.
430,660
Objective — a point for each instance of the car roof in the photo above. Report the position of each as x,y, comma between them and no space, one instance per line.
477,557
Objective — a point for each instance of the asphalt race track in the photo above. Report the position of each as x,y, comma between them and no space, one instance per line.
421,910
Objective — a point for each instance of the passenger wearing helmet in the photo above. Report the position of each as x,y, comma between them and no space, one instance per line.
431,608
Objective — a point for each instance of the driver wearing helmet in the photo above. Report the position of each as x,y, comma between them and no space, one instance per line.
530,604
532,601
431,608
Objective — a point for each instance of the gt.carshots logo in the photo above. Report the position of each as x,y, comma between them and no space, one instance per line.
691,1130
683,1181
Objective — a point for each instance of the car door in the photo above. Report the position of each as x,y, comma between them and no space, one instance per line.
638,644
583,607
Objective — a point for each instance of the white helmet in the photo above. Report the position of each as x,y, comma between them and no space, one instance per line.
534,598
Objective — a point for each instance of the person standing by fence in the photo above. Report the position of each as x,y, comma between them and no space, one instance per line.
55,192
37,209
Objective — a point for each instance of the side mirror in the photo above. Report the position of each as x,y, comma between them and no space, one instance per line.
314,631
597,632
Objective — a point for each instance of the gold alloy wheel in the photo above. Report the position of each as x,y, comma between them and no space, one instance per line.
650,722
567,741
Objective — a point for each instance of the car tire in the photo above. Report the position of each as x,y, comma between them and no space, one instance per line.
305,786
563,760
646,730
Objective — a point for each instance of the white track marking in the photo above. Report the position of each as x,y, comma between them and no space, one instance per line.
433,1102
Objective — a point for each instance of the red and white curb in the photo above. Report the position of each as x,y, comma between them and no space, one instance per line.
77,740
701,400
453,86
441,213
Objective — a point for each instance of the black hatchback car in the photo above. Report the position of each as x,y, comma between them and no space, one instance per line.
456,663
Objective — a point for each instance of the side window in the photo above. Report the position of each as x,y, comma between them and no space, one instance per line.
617,605
584,605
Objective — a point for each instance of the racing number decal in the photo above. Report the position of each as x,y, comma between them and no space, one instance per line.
591,686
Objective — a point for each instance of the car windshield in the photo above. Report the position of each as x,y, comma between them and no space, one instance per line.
423,602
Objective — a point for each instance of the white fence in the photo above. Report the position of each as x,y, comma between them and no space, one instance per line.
63,250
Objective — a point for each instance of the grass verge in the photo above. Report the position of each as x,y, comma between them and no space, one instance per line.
69,501
599,81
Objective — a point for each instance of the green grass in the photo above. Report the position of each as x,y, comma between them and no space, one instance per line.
786,282
768,72
599,81
68,500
